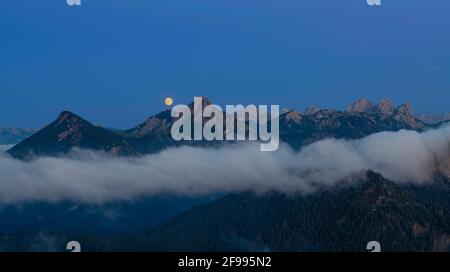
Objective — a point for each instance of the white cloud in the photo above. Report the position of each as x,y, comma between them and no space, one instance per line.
93,177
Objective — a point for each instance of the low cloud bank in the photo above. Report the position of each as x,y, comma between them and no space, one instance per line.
93,177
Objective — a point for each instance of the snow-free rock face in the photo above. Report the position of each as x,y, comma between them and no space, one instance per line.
364,105
385,106
159,123
361,105
293,116
405,114
296,129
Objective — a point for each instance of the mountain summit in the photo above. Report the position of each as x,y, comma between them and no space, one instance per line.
361,105
68,131
385,106
403,114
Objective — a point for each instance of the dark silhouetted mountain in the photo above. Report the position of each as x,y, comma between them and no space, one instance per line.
385,106
9,136
344,219
69,131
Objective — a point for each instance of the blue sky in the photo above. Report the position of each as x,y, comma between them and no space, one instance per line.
114,61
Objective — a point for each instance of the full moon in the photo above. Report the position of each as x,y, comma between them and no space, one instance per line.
168,101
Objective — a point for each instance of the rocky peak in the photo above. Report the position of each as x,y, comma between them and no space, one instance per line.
311,110
385,107
71,126
154,124
361,105
162,122
405,108
70,119
405,113
293,116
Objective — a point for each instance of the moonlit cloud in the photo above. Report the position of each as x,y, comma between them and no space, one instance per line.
93,177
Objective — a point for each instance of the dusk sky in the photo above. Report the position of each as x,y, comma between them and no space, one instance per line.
114,61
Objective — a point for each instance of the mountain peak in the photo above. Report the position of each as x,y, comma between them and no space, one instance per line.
385,106
404,113
67,116
405,108
293,116
361,105
379,190
311,110
68,131
159,123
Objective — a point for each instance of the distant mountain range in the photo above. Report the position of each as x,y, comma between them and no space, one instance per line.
9,136
297,129
434,119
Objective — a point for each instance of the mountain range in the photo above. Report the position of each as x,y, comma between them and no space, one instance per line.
296,129
9,136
